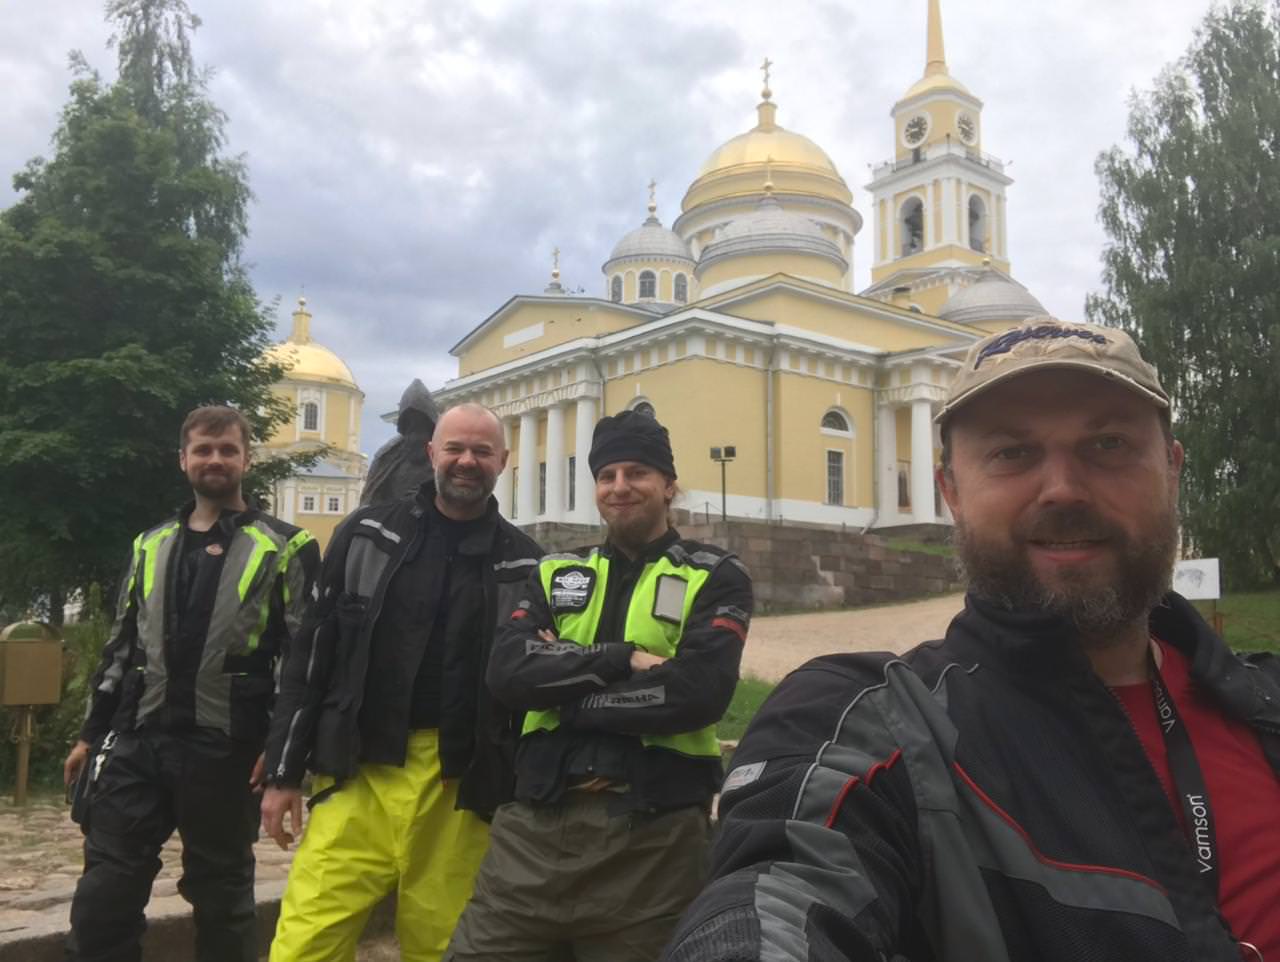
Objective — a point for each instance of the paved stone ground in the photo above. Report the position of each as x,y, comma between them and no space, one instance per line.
40,848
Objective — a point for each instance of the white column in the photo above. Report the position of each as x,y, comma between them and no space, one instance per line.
886,462
555,464
527,490
922,462
502,491
948,210
584,484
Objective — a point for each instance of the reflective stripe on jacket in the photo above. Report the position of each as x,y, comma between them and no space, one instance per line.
658,611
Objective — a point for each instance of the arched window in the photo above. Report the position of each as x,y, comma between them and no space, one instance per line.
977,224
912,226
615,289
835,420
682,288
648,284
311,416
645,408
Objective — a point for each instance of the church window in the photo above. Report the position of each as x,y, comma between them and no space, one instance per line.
615,289
836,421
542,487
835,477
309,503
573,482
977,224
648,284
311,416
912,226
904,486
645,408
334,504
515,491
682,288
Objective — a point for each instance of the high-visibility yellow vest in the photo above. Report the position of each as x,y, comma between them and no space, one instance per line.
659,609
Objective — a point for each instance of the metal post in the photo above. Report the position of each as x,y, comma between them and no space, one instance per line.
24,732
724,502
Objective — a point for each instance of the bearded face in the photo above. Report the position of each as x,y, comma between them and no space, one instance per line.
1063,486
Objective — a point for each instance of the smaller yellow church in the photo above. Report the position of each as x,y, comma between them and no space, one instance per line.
739,326
327,404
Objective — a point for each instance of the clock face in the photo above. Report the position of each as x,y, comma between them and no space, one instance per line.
915,131
968,128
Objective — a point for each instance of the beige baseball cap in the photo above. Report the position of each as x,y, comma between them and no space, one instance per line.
1042,343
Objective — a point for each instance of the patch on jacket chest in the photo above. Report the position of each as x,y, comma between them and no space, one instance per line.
571,589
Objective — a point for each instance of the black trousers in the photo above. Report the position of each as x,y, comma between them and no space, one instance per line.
152,783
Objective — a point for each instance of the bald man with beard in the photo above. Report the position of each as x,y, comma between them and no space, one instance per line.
384,701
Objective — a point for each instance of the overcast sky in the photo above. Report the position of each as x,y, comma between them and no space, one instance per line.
415,161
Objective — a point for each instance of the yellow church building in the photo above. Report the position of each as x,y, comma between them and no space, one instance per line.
327,404
738,326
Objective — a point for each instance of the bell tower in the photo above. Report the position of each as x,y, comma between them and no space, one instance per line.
939,203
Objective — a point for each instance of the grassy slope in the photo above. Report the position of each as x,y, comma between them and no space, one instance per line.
1251,619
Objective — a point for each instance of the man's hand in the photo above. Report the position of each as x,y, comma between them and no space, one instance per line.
255,777
77,758
643,661
276,802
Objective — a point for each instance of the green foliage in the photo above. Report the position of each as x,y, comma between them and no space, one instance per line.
747,699
943,550
1250,619
1192,210
123,304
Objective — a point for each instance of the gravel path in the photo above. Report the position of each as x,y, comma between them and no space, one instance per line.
778,643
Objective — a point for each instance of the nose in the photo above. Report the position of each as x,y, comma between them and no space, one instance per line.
467,458
1063,479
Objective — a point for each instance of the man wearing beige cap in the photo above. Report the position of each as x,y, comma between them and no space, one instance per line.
1080,770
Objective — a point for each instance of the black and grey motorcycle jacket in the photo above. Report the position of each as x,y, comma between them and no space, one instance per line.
335,711
211,664
981,797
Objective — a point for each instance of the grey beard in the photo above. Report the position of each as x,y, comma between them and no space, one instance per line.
466,497
1005,577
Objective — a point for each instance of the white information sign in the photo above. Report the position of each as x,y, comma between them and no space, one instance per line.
1197,579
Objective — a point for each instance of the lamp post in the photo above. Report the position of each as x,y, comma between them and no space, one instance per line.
723,456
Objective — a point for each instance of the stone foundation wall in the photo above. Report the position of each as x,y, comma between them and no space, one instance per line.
796,567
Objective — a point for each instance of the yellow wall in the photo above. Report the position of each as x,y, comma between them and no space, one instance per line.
835,320
801,446
561,322
762,265
729,409
321,526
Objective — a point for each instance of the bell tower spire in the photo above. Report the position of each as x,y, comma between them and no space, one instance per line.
936,54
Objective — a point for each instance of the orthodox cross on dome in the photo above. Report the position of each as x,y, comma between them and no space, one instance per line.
653,196
766,93
555,262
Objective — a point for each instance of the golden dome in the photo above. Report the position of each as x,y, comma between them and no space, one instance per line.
932,82
775,144
798,165
305,360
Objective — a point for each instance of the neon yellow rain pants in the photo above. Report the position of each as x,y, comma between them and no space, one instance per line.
387,828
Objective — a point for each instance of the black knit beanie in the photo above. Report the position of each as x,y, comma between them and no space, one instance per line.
631,436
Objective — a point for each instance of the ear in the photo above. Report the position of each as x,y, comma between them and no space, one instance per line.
502,461
431,453
182,459
947,485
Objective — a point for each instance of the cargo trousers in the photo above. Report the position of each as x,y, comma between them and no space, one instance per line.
580,881
152,783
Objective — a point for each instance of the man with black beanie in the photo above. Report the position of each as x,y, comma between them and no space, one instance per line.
623,658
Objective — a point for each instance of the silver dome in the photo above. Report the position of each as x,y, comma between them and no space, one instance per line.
771,228
993,297
651,239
